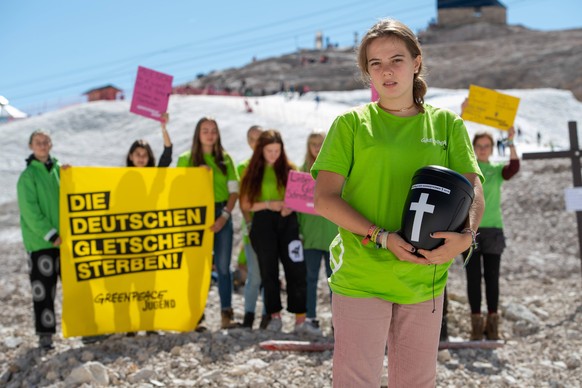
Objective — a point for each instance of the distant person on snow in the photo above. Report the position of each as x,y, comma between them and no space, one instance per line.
140,153
485,261
38,201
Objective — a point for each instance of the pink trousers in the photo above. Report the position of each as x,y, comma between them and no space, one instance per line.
365,327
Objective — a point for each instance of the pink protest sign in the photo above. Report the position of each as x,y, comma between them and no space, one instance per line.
151,93
299,192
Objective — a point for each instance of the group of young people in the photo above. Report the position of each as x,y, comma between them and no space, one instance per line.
272,230
387,295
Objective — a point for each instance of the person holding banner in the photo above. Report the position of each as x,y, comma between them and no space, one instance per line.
388,295
485,261
207,151
140,153
317,234
253,280
38,201
275,231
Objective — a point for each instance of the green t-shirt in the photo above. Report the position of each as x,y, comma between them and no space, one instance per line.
492,217
224,184
378,154
269,190
240,169
317,232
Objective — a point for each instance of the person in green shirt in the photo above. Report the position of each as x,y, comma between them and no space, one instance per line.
253,278
490,237
275,231
38,201
385,293
317,234
207,151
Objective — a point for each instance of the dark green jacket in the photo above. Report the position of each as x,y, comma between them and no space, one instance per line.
38,200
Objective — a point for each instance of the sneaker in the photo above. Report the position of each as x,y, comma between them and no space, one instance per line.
45,341
275,325
308,328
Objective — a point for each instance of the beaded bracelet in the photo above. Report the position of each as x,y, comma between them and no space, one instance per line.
375,234
371,230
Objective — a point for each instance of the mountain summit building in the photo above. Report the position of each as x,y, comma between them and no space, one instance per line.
454,13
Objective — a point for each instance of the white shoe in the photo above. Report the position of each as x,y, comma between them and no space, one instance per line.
275,325
308,328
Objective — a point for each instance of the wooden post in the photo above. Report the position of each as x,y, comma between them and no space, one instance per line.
574,154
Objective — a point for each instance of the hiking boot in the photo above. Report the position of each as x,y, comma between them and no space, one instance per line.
227,319
308,327
492,327
248,320
477,327
275,325
265,319
45,341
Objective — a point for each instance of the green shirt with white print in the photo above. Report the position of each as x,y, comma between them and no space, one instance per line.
378,154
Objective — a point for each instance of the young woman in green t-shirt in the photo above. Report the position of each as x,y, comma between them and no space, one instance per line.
317,233
274,233
389,297
486,260
253,278
207,151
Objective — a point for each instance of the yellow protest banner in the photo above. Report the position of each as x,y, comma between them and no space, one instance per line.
489,107
137,249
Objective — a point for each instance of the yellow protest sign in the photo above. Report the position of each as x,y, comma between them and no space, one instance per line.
489,107
137,249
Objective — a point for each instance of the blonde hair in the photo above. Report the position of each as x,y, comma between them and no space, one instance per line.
310,159
394,28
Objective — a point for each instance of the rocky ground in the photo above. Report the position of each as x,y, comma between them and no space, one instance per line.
540,300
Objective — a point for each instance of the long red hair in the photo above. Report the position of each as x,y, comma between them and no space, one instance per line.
251,184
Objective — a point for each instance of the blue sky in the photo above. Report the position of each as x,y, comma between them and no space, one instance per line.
54,51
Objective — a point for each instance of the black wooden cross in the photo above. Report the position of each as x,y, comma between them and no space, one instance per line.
574,154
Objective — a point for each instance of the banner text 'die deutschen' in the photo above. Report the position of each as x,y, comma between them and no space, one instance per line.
137,248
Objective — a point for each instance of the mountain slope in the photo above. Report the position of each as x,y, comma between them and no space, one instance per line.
506,57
